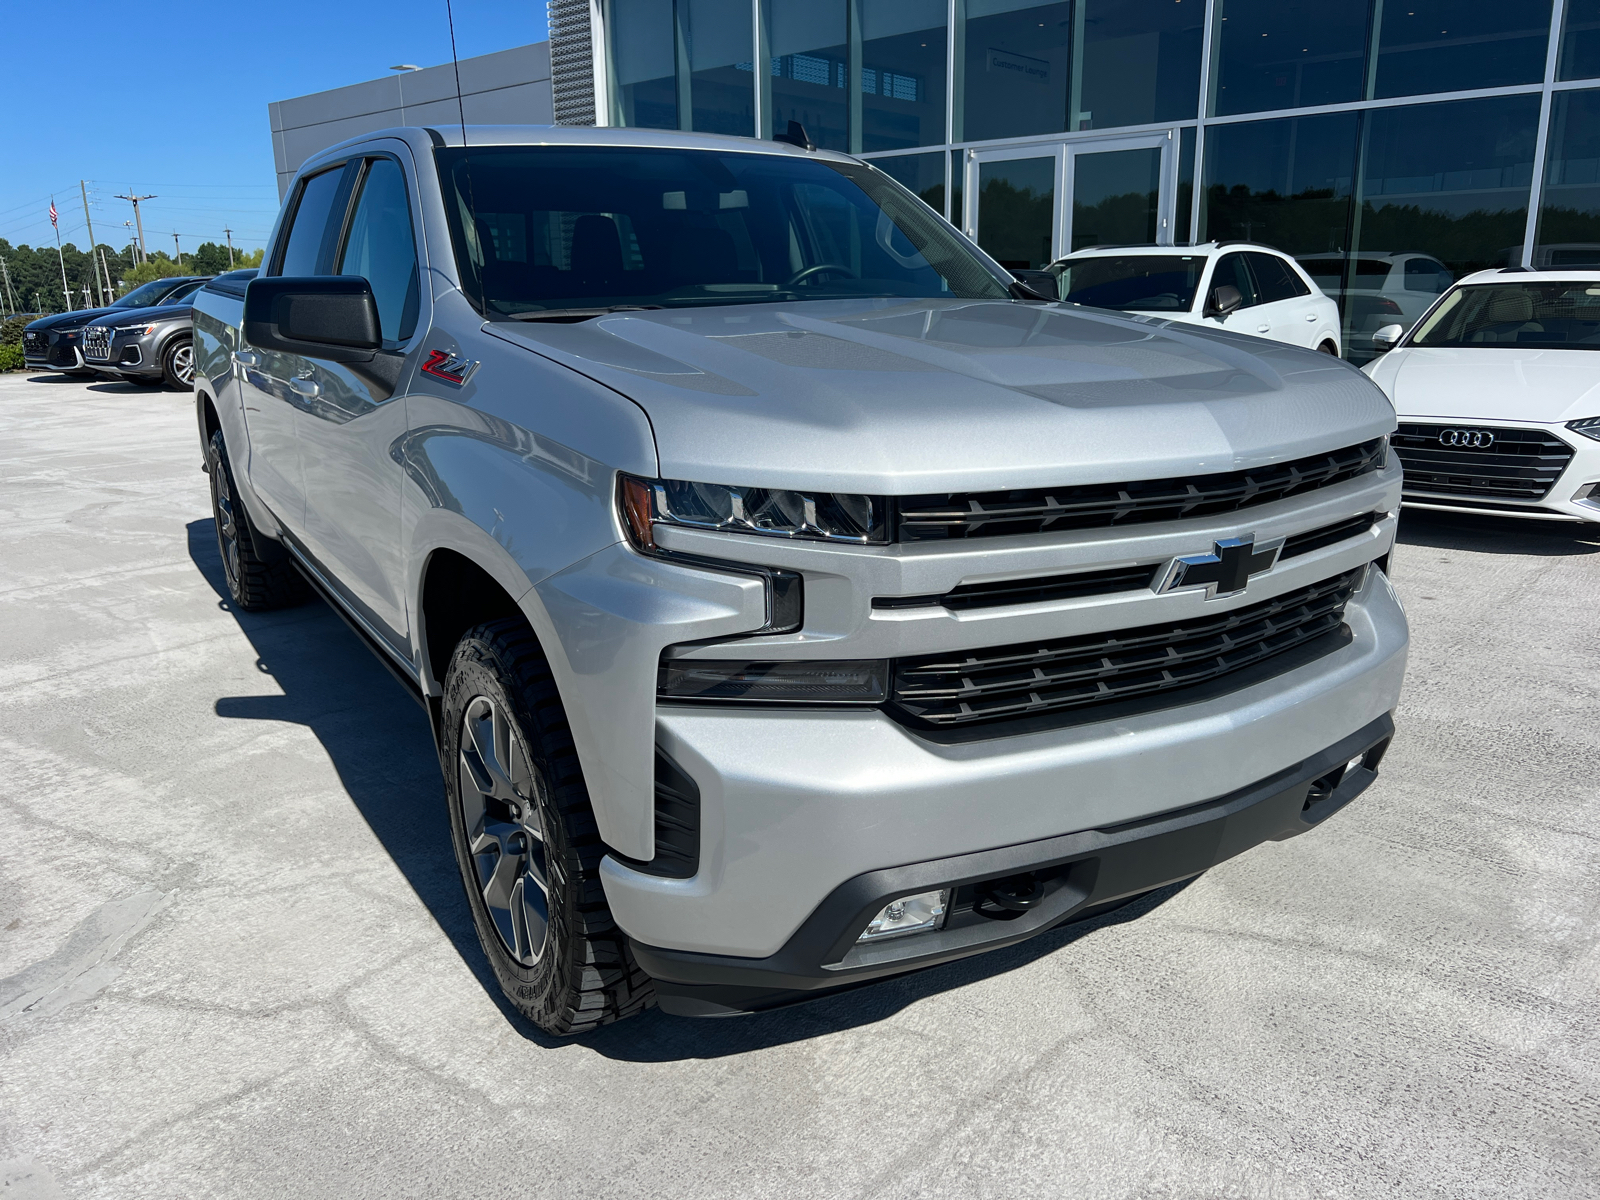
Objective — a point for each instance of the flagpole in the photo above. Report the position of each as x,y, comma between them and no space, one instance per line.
62,258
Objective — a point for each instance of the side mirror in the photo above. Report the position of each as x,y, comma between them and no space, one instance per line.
1224,299
1384,339
331,317
1040,285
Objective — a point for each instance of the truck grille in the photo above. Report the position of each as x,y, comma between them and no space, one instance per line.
1519,464
96,343
968,687
1047,510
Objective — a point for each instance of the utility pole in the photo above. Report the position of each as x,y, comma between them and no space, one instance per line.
229,232
111,291
138,220
83,188
6,272
177,255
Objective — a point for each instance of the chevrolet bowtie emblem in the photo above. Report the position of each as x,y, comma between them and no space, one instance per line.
1223,572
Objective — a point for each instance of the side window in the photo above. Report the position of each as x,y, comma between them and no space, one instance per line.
1425,275
381,249
1275,279
1232,272
318,196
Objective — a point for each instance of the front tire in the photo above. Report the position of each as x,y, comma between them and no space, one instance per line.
259,572
526,840
1329,348
177,364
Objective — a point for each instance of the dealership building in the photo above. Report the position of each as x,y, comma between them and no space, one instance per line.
1392,145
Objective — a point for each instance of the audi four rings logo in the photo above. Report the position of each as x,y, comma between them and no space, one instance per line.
1467,439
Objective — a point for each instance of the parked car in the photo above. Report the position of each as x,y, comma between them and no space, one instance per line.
795,601
54,343
153,345
1498,395
1239,286
1385,289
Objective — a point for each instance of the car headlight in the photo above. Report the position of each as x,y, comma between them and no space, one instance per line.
138,329
770,512
1588,426
793,681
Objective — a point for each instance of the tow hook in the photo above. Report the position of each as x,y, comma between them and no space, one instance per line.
1012,896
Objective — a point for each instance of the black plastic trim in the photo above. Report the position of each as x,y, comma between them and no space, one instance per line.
1095,867
677,824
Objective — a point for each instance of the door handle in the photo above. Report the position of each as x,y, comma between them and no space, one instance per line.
308,388
246,359
1311,316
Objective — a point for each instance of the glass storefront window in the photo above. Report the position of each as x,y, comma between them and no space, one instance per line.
1016,59
1181,227
810,69
1448,45
1016,210
1442,191
1580,40
903,71
715,37
1286,183
923,174
1114,197
1138,62
644,91
1287,54
1569,211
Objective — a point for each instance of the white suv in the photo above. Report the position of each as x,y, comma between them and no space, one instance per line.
1239,286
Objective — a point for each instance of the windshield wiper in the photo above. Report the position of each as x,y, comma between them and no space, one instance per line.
577,314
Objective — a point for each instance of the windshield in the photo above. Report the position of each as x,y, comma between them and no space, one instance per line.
146,294
546,229
1142,282
1543,316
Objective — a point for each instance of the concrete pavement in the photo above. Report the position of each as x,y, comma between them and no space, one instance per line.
235,959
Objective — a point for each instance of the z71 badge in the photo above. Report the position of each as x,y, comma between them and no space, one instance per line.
446,366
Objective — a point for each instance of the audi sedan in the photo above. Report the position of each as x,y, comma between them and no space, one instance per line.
1497,389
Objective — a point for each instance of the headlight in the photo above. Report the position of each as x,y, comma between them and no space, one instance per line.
791,681
139,329
771,512
1588,426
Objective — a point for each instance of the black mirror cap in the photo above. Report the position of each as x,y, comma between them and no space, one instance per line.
1224,300
332,317
1036,285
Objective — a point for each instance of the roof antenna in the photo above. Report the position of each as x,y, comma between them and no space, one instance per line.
796,135
455,62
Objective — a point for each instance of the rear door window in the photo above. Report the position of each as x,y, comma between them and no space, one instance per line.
382,249
318,216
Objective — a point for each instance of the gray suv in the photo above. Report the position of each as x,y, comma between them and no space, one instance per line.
796,599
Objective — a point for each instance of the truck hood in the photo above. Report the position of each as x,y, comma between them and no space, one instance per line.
1546,386
901,397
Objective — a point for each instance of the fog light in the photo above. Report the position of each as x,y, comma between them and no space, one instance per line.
909,914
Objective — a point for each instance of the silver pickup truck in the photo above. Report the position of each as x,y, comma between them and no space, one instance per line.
797,599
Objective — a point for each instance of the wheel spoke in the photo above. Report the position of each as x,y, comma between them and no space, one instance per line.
505,876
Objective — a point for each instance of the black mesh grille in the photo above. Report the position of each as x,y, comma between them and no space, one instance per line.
1520,464
971,686
97,343
1046,510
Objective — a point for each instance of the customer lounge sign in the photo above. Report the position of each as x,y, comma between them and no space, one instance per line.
1036,70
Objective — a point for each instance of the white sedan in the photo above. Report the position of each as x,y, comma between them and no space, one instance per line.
1241,286
1498,393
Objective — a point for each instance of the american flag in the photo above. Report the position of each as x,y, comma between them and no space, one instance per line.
53,214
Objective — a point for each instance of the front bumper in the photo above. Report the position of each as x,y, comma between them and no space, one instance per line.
795,802
1575,495
1069,878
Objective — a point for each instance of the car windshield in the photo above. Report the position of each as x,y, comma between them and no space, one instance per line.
146,294
1540,316
1139,282
551,232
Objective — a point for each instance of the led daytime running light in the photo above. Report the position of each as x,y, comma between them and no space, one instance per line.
769,512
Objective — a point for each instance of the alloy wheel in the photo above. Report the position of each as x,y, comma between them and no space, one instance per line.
502,812
183,363
226,521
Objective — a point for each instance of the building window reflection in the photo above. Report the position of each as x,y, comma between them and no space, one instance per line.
1287,54
1580,40
1138,62
1015,63
903,69
714,44
643,65
1446,45
1569,212
1286,183
808,79
922,174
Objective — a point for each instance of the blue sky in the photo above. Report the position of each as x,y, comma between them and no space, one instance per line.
172,100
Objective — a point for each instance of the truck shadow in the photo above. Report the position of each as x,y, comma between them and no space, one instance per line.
1496,535
378,740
